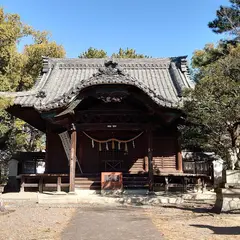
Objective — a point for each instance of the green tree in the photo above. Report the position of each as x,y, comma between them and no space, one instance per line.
213,107
19,71
227,19
210,54
128,53
32,55
99,53
93,53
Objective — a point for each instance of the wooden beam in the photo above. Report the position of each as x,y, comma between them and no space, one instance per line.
109,126
73,160
150,159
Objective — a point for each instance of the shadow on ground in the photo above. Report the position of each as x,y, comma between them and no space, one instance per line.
210,209
192,209
220,230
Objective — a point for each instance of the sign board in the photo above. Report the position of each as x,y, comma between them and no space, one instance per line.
111,181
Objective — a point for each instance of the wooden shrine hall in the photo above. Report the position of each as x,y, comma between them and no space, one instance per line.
107,115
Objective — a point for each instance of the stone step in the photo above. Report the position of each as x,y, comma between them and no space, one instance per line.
87,181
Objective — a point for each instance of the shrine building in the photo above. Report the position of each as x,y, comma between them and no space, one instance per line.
107,115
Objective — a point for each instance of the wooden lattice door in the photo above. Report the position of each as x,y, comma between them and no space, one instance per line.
112,160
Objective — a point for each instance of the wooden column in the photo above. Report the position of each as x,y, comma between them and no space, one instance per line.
72,160
59,182
46,150
150,160
179,157
40,185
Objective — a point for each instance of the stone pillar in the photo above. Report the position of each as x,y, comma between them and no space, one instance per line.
217,173
228,200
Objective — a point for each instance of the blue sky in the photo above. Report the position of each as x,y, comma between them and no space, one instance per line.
158,28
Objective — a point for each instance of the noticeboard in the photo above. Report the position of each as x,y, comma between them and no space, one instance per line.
111,181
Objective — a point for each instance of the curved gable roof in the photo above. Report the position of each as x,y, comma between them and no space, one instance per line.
163,79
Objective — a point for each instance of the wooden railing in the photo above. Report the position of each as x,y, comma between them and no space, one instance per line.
197,167
44,181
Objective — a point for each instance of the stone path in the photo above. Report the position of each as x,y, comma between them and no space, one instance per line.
113,223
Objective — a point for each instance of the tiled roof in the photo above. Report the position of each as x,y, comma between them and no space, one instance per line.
163,79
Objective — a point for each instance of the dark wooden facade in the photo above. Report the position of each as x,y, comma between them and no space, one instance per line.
119,116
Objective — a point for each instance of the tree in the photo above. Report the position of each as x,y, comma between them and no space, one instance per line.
93,53
128,53
227,20
99,53
19,71
214,105
211,54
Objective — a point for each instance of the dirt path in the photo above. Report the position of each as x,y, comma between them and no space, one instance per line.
114,223
194,223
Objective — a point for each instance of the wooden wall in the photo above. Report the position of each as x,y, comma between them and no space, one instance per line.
56,161
135,161
164,154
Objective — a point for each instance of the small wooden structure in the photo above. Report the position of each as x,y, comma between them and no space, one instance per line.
117,115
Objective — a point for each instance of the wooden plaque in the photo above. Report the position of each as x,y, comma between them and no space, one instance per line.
111,181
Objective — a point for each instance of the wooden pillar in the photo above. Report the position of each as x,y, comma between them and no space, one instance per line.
166,184
40,185
72,164
59,182
150,160
48,129
145,163
179,157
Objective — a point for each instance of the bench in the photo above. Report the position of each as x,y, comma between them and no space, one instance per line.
40,181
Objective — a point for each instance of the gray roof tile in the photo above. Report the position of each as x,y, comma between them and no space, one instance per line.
163,79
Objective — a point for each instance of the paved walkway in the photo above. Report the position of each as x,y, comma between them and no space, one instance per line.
103,223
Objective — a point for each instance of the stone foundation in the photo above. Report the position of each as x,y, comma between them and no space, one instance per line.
231,176
227,200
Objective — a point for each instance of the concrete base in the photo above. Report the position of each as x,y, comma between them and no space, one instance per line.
231,176
112,192
227,200
88,198
86,192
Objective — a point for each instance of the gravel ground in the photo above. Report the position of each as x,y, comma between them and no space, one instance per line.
34,222
188,222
